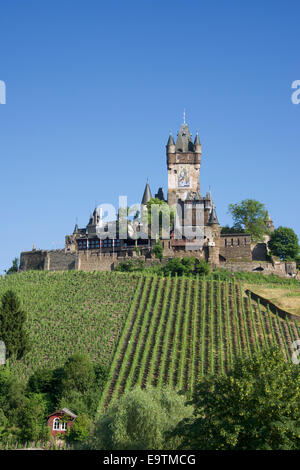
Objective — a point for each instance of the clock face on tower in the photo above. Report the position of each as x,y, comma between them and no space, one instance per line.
183,177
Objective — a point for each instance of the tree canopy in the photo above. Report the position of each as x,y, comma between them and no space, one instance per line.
12,325
164,211
284,243
140,419
251,216
14,268
255,406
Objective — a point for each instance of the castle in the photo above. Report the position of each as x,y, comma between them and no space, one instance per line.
195,231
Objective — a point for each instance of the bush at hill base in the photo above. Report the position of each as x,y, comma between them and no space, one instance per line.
255,406
140,419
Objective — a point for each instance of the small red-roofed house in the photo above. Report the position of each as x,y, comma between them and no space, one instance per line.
60,421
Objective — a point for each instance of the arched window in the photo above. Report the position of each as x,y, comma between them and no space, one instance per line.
56,424
63,426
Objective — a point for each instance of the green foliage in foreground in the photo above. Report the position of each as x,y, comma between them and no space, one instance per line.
24,408
80,431
255,406
140,419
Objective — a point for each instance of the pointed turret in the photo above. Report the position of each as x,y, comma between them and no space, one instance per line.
213,219
147,195
197,144
170,145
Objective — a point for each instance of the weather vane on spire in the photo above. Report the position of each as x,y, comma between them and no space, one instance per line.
184,116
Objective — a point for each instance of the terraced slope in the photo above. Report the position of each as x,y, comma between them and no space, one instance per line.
178,330
70,311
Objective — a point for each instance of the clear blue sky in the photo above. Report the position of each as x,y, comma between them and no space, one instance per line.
94,88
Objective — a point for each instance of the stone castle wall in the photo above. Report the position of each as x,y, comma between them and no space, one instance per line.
280,269
61,260
235,247
44,260
33,260
94,261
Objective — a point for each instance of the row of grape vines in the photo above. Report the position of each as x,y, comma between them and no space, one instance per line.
179,329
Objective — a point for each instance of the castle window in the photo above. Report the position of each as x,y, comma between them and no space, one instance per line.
94,243
82,244
238,242
232,242
245,241
109,243
225,241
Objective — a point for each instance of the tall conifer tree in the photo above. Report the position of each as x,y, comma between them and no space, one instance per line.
12,322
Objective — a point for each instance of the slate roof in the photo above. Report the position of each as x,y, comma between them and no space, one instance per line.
147,195
213,219
170,141
184,141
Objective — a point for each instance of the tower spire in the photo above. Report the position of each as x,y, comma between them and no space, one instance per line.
184,116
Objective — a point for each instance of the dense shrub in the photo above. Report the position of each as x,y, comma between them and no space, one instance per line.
255,406
140,419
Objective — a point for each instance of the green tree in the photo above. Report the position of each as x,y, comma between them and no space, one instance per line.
14,268
165,211
158,250
81,429
140,419
80,384
226,229
174,267
255,406
250,215
78,373
12,325
284,243
202,268
75,401
130,266
41,381
32,419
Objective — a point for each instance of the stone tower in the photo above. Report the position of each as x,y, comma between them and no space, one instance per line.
183,161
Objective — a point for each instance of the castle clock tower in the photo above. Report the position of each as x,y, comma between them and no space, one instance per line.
183,161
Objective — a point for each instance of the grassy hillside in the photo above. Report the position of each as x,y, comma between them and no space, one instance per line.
180,329
287,299
68,312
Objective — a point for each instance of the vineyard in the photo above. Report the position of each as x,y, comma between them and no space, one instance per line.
70,312
148,329
178,330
